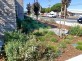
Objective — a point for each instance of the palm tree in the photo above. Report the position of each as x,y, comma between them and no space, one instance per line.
65,5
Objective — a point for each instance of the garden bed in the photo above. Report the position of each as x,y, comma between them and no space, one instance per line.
70,51
43,39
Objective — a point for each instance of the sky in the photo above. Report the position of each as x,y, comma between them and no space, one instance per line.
75,4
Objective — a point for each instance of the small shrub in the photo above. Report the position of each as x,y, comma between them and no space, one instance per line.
38,34
53,39
30,50
29,24
62,44
77,30
70,37
15,35
79,42
79,47
52,52
41,38
51,33
67,41
18,22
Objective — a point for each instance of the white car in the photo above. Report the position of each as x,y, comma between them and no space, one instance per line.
51,15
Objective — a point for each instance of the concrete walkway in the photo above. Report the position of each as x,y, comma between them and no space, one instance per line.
59,32
77,58
69,24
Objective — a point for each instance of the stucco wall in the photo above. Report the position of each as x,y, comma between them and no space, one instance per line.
19,9
7,16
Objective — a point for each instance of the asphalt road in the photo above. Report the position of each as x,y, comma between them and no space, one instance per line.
69,20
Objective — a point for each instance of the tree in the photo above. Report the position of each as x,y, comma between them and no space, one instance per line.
47,10
29,9
56,7
43,10
36,8
65,5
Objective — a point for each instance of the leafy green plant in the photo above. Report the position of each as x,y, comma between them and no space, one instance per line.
51,33
79,42
62,44
54,50
15,35
70,37
77,30
18,22
41,38
79,45
53,39
67,41
29,24
20,47
14,50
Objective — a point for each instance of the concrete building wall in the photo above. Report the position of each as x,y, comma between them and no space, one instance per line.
19,9
7,16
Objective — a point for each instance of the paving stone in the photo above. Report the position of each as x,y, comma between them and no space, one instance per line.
59,32
77,58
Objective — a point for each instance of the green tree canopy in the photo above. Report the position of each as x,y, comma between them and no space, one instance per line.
47,10
65,5
43,10
56,7
36,8
28,9
66,2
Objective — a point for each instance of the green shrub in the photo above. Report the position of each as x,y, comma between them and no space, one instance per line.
42,38
15,35
53,39
19,49
77,30
51,33
38,33
70,37
18,22
67,41
79,47
79,42
29,24
55,50
62,44
14,50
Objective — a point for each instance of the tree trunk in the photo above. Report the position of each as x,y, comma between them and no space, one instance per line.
36,17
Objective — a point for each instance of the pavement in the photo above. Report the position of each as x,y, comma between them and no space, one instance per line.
77,58
68,23
59,32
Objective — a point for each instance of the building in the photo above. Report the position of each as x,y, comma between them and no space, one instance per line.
75,12
9,9
19,9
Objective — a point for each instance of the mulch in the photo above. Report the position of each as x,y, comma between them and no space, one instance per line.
69,51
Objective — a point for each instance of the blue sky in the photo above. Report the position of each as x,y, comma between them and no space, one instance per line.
75,4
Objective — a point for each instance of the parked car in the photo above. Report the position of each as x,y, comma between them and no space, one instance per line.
52,15
79,20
